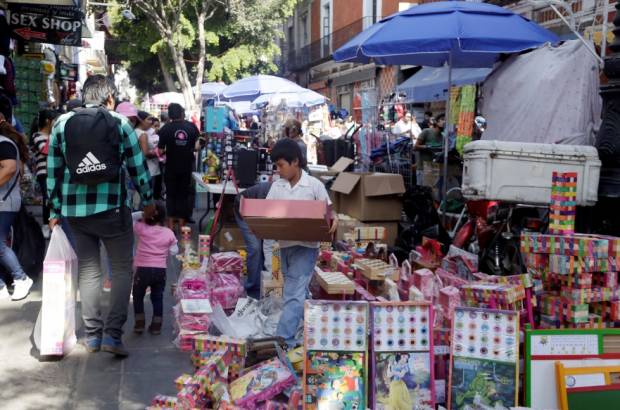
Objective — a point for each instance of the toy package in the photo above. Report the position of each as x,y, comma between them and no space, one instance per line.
226,290
226,262
264,382
484,359
336,354
403,363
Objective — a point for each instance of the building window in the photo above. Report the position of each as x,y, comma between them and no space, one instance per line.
291,38
303,30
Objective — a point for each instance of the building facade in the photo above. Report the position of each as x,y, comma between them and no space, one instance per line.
317,29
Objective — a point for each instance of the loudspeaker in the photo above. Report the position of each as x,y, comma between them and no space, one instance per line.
246,167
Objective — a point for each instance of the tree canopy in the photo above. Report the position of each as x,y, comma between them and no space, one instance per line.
182,43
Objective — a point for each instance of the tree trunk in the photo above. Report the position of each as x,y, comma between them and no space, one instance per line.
200,69
181,70
167,77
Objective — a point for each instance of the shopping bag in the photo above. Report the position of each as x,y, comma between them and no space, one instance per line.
59,294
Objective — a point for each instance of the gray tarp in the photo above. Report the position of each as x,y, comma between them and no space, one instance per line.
548,96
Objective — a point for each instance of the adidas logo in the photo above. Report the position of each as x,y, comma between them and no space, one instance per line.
90,163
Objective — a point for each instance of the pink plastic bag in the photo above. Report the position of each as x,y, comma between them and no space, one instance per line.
226,262
225,290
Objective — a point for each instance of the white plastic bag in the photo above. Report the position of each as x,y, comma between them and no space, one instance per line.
59,295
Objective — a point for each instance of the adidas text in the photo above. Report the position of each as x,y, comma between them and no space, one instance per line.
91,168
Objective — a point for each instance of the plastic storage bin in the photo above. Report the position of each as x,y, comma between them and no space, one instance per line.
522,172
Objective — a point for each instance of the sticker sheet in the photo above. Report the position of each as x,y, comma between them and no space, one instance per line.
402,381
335,380
486,334
484,360
336,326
401,328
402,363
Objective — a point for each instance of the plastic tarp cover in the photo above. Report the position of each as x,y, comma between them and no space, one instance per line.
431,83
547,96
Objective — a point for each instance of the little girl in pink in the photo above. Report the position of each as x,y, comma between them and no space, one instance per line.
155,243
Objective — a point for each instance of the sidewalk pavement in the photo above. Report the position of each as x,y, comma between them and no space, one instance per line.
81,380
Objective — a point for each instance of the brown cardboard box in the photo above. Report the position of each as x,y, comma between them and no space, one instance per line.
229,238
339,166
390,232
346,224
370,197
287,220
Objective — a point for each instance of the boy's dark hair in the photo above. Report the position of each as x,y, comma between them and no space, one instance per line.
288,150
176,111
440,117
160,215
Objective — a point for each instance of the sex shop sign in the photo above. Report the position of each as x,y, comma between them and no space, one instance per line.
44,23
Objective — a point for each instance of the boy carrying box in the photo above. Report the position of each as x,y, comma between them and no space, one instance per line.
297,258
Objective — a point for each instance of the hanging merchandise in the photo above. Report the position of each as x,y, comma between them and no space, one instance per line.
484,360
466,112
336,348
29,81
402,359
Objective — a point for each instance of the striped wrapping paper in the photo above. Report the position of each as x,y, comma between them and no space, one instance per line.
606,280
614,244
549,322
568,265
236,366
183,380
596,294
609,311
569,245
563,207
536,261
564,310
524,279
502,294
579,281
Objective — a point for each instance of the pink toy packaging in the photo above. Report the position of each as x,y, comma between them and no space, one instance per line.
226,262
261,384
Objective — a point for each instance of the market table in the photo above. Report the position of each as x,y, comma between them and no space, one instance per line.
212,189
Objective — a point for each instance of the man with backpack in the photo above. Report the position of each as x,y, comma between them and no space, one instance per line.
88,150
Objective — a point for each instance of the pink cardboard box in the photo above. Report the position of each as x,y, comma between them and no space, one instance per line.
287,220
424,279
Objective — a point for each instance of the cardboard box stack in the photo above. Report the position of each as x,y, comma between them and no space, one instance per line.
372,199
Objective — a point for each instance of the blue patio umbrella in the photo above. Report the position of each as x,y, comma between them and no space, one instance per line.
305,98
457,33
250,88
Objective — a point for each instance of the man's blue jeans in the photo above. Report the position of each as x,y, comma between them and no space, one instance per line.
7,256
255,261
298,267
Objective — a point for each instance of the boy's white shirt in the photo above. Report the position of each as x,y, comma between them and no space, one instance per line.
307,188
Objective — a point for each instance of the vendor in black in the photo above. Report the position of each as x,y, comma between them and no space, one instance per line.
179,139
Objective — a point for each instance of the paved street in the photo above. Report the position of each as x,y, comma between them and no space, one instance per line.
83,380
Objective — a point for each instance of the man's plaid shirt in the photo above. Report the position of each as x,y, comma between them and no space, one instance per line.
77,200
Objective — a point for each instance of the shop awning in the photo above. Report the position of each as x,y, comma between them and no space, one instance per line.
431,83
